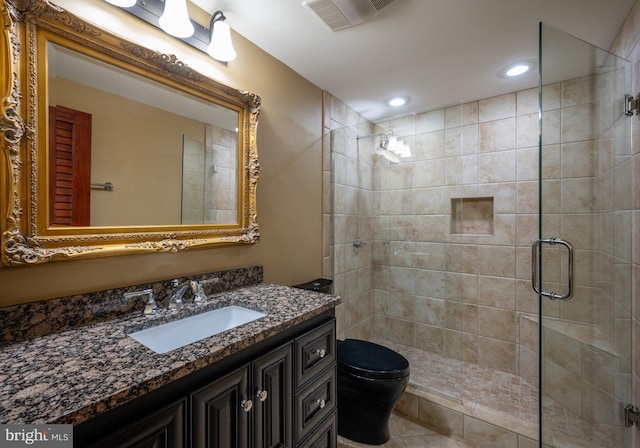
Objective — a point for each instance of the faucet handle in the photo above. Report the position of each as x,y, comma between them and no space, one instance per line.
213,281
198,291
150,307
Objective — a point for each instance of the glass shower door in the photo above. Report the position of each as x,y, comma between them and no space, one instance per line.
582,260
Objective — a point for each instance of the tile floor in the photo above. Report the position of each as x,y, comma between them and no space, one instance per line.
500,394
470,383
407,434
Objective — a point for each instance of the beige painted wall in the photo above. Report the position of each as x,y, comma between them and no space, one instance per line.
289,190
136,147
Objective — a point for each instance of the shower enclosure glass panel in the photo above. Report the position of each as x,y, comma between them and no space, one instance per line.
585,199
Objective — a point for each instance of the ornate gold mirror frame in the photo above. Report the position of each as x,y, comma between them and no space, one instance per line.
26,235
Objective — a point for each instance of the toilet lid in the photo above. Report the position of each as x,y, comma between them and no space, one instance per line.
370,360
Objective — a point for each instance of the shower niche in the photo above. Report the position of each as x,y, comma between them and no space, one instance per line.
471,216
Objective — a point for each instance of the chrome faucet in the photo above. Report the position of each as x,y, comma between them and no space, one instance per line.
198,291
176,298
150,307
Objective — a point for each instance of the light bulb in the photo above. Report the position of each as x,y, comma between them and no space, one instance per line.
175,19
221,47
517,70
397,101
404,151
391,157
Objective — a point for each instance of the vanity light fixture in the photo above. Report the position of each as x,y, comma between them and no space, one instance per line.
393,144
391,147
391,157
175,19
220,46
172,17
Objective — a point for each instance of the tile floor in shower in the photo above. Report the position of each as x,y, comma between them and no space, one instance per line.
503,397
465,382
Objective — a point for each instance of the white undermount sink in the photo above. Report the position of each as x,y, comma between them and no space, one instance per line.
166,337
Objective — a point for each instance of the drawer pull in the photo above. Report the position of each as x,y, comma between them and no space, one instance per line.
320,352
246,405
321,403
262,395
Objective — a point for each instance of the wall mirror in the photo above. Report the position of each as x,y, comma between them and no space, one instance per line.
110,148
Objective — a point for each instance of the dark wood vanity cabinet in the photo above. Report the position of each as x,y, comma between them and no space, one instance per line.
162,429
227,412
277,393
325,436
217,419
315,395
273,408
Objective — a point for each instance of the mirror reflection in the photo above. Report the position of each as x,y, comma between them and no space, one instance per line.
127,151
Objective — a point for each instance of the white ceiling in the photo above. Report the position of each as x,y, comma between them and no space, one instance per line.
436,52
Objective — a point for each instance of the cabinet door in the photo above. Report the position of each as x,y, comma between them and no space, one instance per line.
220,412
163,429
273,398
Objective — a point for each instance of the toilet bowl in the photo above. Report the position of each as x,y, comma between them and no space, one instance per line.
371,378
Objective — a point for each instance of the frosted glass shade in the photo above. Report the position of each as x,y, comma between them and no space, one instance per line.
221,47
122,3
391,157
175,19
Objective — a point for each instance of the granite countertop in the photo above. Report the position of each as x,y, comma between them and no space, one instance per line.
74,375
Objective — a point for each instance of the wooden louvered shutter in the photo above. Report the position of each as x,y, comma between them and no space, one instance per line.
69,167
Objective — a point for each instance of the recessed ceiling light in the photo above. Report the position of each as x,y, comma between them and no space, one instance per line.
397,101
517,69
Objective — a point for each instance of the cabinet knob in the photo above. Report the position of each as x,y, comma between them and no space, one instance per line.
246,405
321,403
262,395
320,352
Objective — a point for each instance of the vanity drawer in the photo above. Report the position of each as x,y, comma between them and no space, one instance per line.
314,352
314,403
325,436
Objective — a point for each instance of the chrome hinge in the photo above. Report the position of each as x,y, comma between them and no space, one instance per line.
631,104
631,416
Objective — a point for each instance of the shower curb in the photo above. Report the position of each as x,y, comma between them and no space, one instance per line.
475,423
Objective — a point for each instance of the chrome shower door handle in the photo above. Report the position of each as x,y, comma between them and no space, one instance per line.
536,251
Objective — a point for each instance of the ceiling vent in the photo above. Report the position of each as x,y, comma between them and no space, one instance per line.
340,14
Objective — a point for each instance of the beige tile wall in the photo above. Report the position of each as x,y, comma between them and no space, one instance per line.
193,155
461,292
348,202
221,194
